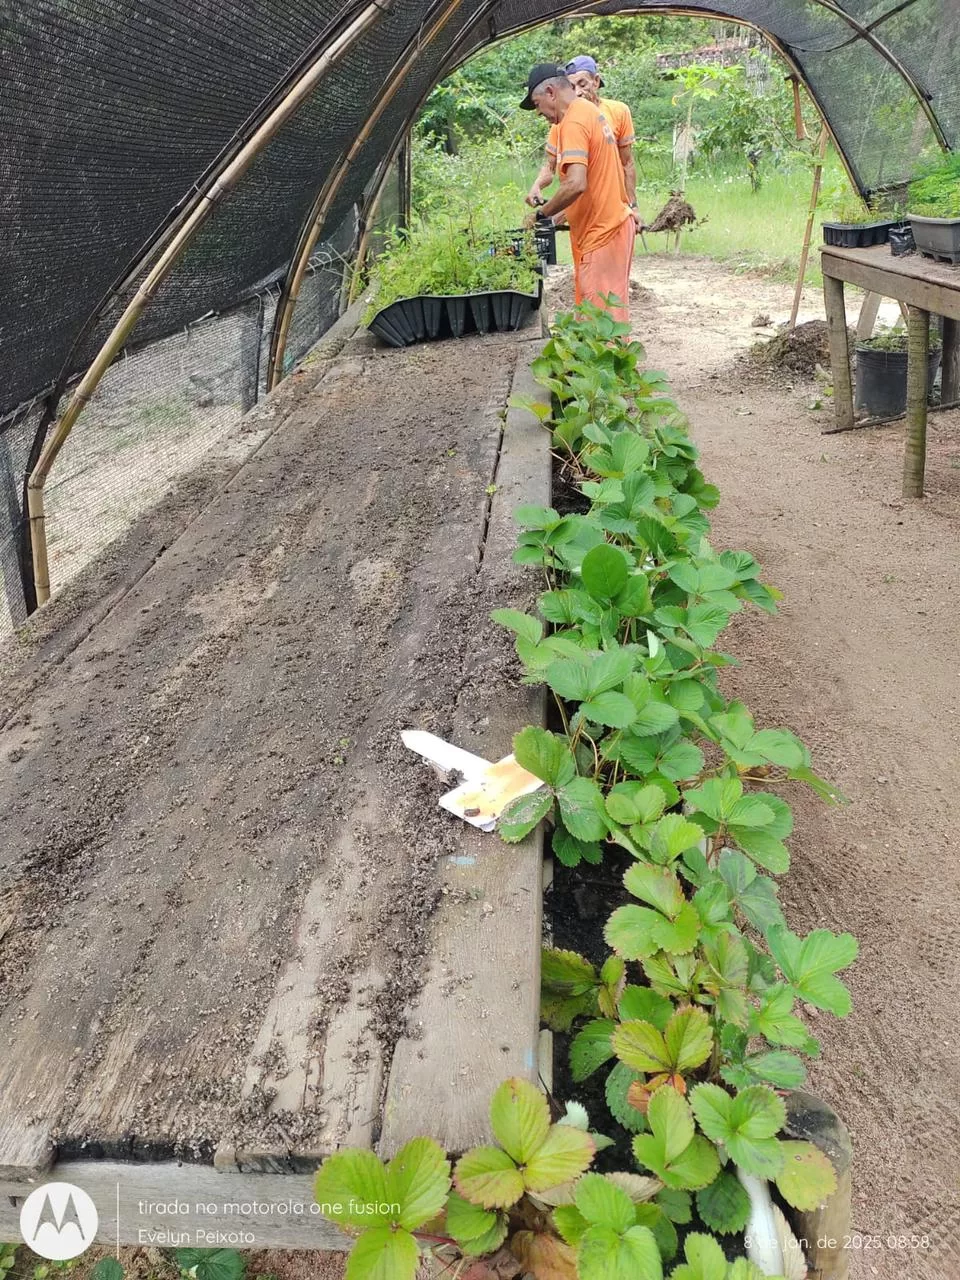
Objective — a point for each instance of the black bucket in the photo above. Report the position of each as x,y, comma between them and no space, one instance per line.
882,380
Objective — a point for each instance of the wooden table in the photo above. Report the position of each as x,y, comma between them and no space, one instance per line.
926,288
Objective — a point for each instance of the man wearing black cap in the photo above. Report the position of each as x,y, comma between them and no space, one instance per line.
591,191
587,81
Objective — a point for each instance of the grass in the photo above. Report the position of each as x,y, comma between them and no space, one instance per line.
751,231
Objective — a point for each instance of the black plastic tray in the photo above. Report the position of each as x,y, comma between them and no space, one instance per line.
410,320
857,235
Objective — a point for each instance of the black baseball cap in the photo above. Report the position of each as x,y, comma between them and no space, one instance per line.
542,71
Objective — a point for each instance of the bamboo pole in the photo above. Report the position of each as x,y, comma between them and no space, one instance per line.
328,193
915,452
808,230
221,186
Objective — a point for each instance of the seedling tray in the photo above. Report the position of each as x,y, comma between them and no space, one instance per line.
856,235
410,320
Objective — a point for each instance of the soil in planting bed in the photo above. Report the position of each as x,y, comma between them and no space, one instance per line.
220,864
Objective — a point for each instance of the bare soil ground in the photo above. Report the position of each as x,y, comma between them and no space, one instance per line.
864,663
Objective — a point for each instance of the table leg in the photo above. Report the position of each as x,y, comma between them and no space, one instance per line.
918,351
950,377
839,351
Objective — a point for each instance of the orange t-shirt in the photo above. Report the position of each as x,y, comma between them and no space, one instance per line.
620,121
584,137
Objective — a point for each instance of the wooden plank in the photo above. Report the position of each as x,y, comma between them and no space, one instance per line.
188,1206
930,285
950,372
915,451
477,1019
826,1229
867,319
839,351
214,932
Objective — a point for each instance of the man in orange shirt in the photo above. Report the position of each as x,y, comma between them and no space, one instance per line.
586,80
591,191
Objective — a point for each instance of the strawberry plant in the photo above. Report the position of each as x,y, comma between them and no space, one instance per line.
693,1015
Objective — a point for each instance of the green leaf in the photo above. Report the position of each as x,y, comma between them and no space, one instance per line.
779,746
764,848
616,1089
724,1206
519,1118
487,1176
705,1260
347,1179
755,896
545,755
533,517
570,1223
571,851
567,677
604,571
582,811
672,836
632,802
678,936
676,1205
641,1046
807,1178
689,1039
655,885
680,761
523,814
809,965
603,1254
629,931
529,629
569,607
608,670
418,1179
680,1158
603,1203
746,1125
750,811
782,1070
212,1264
381,1253
590,1048
564,1155
466,1221
776,1021
611,709
645,1004
108,1269
654,717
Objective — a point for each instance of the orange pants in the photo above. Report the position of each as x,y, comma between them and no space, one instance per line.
606,272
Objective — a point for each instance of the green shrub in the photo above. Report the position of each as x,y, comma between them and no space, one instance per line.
935,192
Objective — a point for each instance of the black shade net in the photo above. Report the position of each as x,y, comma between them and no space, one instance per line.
113,110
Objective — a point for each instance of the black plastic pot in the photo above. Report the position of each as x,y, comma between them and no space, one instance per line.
392,326
481,311
457,318
433,316
937,238
856,235
882,380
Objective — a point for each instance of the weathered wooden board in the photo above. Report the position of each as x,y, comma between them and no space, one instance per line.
477,1019
222,865
912,279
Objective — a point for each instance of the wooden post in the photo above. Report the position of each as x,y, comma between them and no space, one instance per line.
839,351
808,230
950,375
918,351
869,309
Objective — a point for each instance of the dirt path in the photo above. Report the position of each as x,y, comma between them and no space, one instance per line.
864,663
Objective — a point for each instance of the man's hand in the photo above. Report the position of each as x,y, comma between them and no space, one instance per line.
639,222
533,198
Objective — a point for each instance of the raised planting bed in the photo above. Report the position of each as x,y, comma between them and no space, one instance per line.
410,320
245,935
